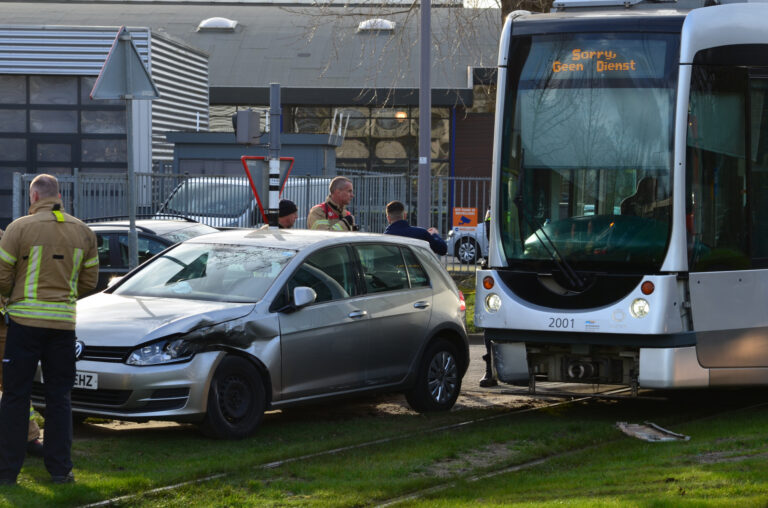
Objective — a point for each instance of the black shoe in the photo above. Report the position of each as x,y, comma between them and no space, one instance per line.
35,448
7,482
67,478
488,381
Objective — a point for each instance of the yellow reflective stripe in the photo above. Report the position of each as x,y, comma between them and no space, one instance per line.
92,262
33,271
39,304
51,316
77,258
7,257
59,216
321,222
56,311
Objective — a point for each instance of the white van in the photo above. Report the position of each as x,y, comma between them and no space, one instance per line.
227,201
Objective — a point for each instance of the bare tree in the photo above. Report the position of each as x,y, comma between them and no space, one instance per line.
379,41
508,6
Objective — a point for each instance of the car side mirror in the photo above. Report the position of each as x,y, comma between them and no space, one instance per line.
114,280
303,296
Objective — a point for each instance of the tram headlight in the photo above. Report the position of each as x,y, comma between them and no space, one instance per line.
639,308
492,302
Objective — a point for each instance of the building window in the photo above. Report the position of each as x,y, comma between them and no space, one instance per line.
43,120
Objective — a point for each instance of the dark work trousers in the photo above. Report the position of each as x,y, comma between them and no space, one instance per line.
55,350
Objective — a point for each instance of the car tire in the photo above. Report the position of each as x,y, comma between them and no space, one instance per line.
438,380
467,251
236,400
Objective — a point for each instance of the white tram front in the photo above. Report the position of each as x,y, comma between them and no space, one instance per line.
629,226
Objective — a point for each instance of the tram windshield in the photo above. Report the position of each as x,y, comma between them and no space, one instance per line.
587,151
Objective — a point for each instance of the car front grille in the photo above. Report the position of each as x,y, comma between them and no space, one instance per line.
105,354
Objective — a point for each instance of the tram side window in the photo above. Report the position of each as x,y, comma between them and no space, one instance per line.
716,177
759,173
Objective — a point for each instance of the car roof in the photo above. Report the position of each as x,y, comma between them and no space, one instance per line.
158,227
299,239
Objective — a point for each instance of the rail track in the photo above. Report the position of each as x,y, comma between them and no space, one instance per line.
472,475
573,399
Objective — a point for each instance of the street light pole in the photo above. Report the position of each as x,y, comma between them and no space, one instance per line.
424,197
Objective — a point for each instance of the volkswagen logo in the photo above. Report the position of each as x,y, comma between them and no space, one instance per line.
79,347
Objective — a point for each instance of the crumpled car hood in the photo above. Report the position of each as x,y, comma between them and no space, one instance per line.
115,320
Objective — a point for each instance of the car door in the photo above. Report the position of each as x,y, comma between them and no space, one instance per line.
324,344
399,302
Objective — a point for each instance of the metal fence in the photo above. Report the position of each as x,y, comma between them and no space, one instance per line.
90,196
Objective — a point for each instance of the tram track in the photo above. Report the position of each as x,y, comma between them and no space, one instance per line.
576,398
474,476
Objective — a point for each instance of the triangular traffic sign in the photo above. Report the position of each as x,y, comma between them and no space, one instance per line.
123,75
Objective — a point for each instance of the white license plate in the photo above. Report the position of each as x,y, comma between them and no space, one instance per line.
87,380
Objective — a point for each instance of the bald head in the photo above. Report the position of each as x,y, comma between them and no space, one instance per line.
43,186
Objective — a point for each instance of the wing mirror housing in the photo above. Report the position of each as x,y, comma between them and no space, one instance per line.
303,296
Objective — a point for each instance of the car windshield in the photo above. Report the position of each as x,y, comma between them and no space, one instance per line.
210,271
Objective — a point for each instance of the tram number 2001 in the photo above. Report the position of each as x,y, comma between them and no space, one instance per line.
561,322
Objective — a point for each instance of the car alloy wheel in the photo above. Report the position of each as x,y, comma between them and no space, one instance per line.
438,380
442,377
466,251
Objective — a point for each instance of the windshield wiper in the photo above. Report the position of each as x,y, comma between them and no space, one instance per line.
549,246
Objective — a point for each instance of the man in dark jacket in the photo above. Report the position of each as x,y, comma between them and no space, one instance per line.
400,227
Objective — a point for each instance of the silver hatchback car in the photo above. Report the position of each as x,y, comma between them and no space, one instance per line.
220,328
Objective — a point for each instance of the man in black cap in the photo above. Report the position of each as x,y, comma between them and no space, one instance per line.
287,214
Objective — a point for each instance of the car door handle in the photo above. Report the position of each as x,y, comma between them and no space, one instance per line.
421,305
356,314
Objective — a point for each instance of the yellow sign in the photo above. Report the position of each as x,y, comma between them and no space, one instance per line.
464,217
600,61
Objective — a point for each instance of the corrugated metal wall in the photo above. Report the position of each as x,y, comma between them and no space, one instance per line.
73,51
181,76
180,72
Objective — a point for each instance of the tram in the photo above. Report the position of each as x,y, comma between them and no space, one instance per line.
629,217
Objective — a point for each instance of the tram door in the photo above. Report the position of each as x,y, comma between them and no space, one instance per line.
727,221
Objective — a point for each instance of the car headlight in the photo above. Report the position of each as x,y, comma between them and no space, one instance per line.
161,352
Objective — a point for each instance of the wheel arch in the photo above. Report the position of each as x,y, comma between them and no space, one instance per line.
458,338
261,369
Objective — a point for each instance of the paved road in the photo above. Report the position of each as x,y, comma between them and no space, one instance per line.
476,363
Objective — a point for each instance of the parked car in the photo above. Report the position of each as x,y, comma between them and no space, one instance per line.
155,235
222,201
468,245
222,327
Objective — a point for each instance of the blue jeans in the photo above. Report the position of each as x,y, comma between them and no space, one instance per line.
55,350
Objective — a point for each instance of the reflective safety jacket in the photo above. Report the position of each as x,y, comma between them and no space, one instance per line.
47,259
328,216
